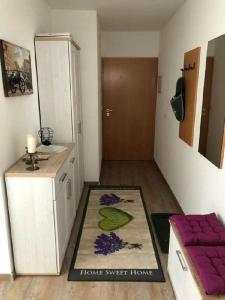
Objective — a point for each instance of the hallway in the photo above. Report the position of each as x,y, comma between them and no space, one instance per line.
146,174
158,198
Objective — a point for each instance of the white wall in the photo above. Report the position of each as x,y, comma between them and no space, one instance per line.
130,44
84,27
197,184
19,20
99,96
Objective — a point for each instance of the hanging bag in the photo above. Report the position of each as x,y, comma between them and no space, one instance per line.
178,101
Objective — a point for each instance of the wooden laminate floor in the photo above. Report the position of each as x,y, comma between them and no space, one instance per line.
158,198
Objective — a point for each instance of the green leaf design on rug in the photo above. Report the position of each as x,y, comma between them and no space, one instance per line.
114,218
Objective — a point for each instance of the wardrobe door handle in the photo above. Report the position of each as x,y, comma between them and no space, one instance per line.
181,260
79,128
63,177
68,189
72,160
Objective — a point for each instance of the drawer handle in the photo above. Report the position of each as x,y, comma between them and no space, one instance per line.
68,189
63,177
72,160
179,254
79,128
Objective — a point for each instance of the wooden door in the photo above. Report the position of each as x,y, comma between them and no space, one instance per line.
129,97
206,105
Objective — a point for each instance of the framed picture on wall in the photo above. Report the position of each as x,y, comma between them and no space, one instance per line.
16,69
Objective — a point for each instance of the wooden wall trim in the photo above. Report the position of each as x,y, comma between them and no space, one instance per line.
186,131
6,277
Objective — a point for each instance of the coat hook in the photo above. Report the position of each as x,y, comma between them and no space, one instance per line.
190,67
184,69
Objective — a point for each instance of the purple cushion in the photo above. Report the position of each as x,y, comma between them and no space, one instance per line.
200,229
209,263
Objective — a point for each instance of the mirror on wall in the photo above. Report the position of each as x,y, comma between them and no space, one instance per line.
211,142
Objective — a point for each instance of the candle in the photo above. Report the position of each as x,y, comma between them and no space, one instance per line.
31,143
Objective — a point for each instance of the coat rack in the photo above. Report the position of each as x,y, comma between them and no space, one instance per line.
189,68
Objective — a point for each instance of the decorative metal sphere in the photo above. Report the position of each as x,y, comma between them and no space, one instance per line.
46,135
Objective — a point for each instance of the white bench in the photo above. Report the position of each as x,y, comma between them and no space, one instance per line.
184,279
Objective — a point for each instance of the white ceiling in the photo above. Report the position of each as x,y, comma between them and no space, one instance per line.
125,15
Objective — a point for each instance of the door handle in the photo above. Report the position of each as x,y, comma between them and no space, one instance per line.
204,112
108,111
79,128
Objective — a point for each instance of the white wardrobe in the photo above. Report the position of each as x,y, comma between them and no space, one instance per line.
58,72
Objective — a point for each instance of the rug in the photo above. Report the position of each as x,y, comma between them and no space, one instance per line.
162,229
115,241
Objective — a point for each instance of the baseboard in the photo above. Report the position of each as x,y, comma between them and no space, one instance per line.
88,183
178,204
38,274
6,277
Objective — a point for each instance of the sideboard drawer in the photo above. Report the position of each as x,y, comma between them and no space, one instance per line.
183,282
63,173
176,267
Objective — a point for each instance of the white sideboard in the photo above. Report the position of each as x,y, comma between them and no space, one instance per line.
42,207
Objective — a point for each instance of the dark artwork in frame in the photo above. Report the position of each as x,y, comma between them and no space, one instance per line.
16,69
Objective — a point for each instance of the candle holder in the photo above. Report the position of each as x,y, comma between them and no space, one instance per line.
32,161
27,158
